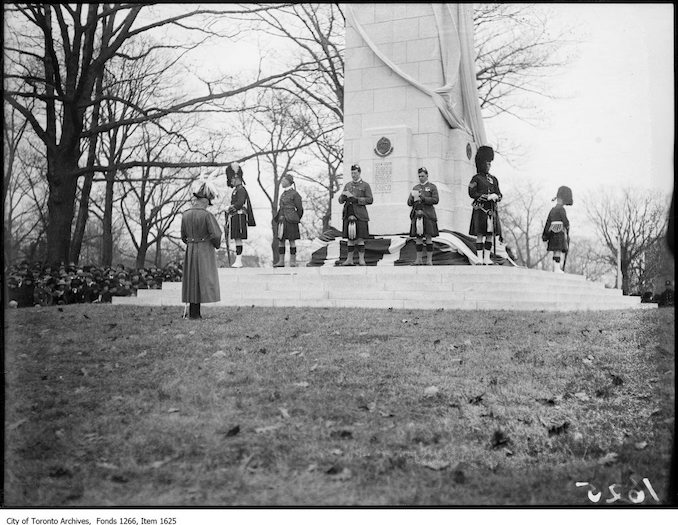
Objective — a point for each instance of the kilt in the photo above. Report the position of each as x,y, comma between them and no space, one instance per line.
290,230
481,222
362,230
557,242
430,227
238,226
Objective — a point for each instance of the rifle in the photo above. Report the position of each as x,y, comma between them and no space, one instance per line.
568,249
226,234
494,228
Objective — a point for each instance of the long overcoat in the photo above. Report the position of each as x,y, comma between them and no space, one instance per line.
202,235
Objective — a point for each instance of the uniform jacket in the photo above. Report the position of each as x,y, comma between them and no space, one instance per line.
290,206
557,241
362,196
483,184
202,235
240,200
429,197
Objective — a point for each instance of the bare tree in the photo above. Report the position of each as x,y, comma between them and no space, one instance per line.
522,217
587,257
72,45
275,133
628,222
516,49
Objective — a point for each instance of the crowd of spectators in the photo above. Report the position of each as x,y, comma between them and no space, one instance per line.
47,285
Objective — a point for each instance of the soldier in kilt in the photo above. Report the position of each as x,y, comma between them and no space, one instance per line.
290,211
484,190
240,216
424,222
201,233
557,228
356,196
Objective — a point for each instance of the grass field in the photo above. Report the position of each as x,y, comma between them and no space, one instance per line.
114,405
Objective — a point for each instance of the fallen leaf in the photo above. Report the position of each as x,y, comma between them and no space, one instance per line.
271,428
467,342
385,414
556,430
436,342
161,462
342,434
364,355
16,425
456,361
219,353
435,464
314,367
477,399
255,336
452,347
339,473
296,352
142,354
577,437
233,431
312,467
119,478
179,336
337,452
192,332
616,380
108,466
499,439
262,350
431,391
303,384
582,396
587,361
608,459
641,445
284,413
590,356
544,401
172,410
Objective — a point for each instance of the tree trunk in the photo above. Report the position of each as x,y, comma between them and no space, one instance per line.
107,234
81,222
274,241
60,207
158,252
141,254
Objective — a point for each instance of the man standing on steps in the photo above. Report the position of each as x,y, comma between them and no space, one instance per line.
423,216
240,216
356,196
557,229
484,190
290,211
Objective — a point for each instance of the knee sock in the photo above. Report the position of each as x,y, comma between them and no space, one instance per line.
281,249
238,250
557,259
479,247
420,247
429,247
361,248
293,250
488,245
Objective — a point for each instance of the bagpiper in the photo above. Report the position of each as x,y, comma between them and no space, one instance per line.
484,190
557,228
424,221
356,196
240,215
201,233
288,217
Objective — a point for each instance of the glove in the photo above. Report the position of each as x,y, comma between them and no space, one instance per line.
493,197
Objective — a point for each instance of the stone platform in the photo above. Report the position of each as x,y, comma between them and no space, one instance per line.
455,287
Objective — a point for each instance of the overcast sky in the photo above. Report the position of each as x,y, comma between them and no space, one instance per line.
613,121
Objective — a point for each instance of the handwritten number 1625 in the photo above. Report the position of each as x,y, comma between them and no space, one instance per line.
634,495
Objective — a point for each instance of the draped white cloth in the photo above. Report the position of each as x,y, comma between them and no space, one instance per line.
455,35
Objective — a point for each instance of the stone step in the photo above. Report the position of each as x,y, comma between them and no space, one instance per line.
413,287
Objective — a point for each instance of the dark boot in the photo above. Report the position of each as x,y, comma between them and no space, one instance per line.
194,311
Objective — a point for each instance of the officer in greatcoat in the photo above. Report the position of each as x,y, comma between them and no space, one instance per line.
202,235
356,196
484,190
288,217
557,228
424,221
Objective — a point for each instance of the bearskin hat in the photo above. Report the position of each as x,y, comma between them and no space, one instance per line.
565,194
232,170
484,154
203,189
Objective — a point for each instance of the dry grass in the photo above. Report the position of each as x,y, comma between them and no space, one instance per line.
110,405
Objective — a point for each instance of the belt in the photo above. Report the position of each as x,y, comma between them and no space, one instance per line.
196,240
